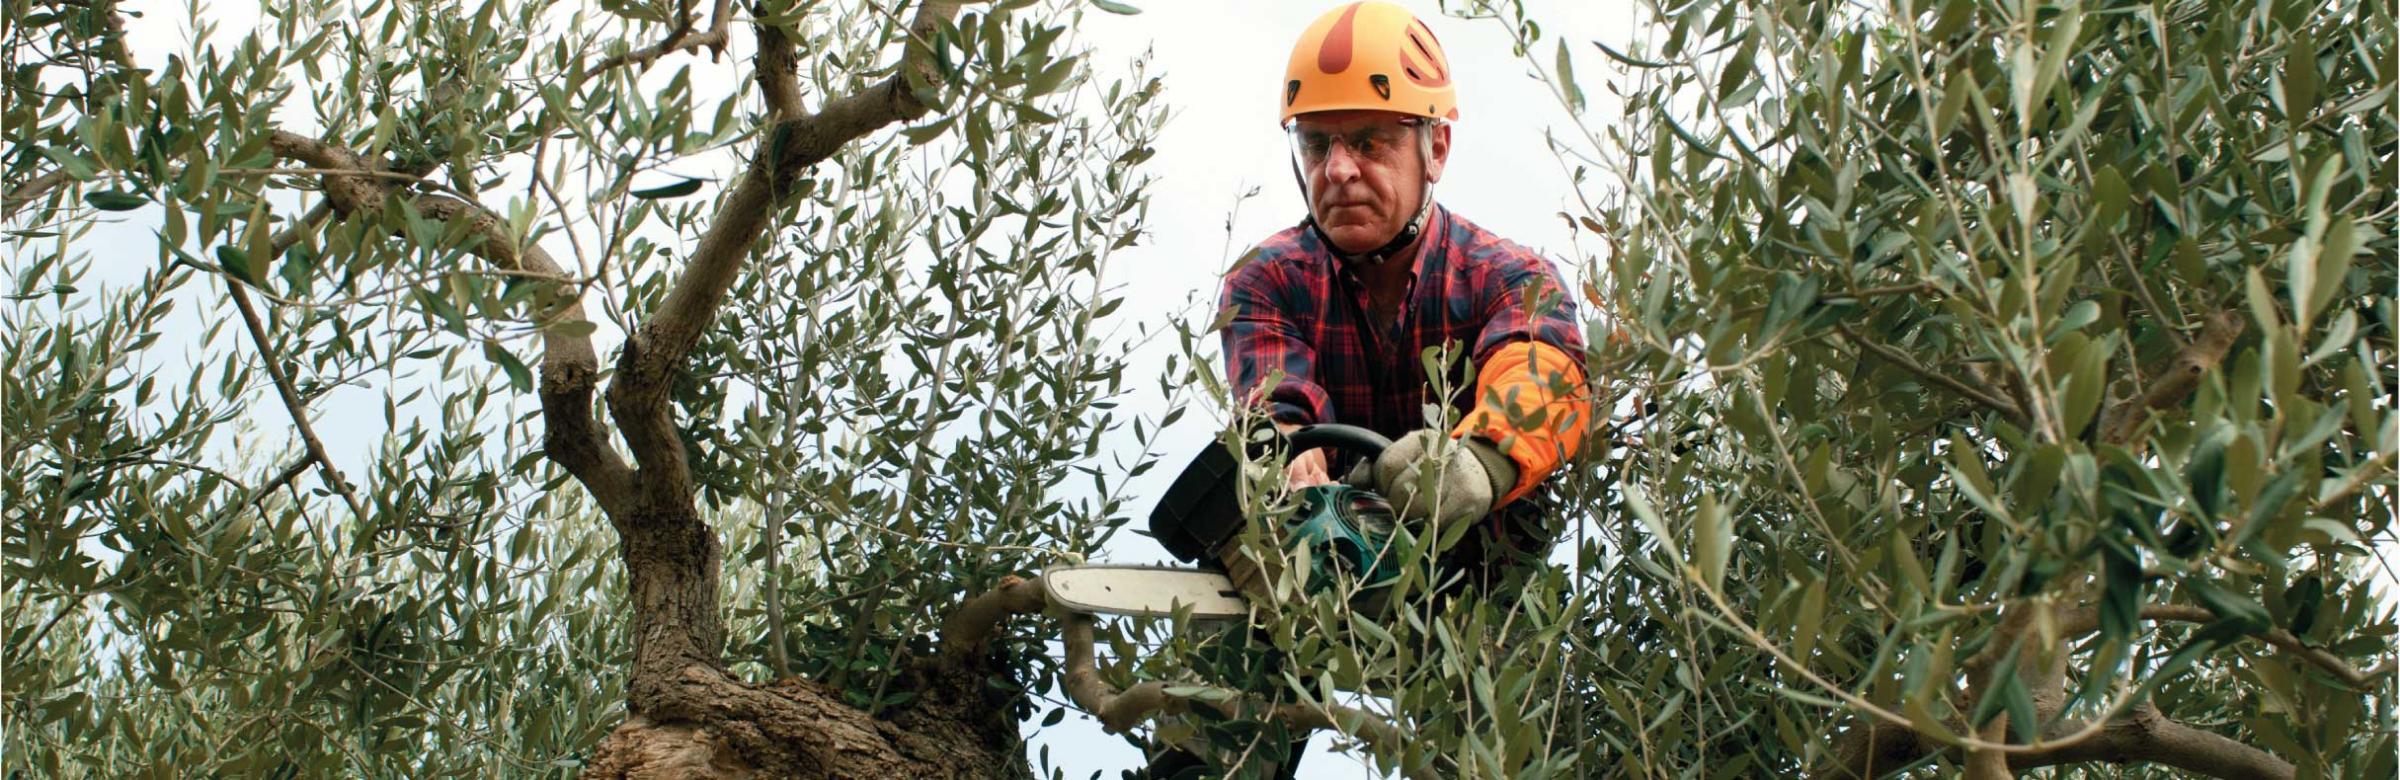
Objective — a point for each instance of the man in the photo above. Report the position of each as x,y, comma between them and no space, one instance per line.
1340,310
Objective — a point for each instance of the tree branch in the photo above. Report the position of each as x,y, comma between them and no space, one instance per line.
2357,481
2087,620
292,404
682,39
969,628
777,72
637,398
31,191
570,367
1876,749
2119,424
1895,357
2146,735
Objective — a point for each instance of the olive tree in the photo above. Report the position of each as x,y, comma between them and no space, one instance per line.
2013,385
314,462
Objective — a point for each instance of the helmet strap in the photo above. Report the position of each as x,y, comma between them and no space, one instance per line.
1374,258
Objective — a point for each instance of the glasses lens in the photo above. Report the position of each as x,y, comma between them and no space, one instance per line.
1377,142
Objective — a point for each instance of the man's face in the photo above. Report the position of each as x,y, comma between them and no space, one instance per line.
1366,173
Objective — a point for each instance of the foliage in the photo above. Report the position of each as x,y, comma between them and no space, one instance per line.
1998,364
1984,370
899,403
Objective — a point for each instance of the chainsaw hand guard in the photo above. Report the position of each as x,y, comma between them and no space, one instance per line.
1203,508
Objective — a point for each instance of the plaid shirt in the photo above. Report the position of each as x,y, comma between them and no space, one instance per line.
1296,311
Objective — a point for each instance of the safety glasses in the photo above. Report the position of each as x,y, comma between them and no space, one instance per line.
1377,142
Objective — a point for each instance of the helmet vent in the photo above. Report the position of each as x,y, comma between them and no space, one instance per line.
1291,92
1383,85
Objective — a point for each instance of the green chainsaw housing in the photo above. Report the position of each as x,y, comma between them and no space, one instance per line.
1347,528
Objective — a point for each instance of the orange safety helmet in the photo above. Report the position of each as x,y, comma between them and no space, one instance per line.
1369,55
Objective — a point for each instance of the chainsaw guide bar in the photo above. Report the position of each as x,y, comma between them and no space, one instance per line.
1144,591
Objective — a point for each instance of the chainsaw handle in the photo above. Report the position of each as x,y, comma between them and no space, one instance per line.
1348,438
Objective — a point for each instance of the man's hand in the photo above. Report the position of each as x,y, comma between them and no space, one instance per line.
1474,475
1305,469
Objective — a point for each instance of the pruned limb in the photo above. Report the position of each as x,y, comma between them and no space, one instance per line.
2182,374
570,366
969,629
2087,620
1120,711
718,34
292,403
637,398
1953,384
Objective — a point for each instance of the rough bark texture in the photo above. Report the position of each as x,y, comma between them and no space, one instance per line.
956,727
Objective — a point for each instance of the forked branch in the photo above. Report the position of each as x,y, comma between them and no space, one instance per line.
293,405
570,366
637,398
682,39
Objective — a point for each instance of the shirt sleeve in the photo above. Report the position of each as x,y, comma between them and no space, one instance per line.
1263,338
1531,397
1524,301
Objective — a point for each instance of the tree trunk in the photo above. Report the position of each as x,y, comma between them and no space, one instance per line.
691,719
672,561
956,727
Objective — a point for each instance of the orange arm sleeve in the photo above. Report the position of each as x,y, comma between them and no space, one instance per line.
1541,387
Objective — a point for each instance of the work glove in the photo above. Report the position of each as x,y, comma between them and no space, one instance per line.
1473,476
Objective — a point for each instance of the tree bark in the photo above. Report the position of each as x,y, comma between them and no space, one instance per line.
2141,736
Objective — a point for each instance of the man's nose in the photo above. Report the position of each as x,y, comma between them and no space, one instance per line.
1339,165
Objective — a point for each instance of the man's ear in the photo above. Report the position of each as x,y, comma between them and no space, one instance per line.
1441,152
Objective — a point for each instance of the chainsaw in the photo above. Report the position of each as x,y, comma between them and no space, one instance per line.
1343,530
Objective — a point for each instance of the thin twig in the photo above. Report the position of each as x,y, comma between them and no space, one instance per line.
291,401
683,39
1895,357
32,190
2360,477
2088,620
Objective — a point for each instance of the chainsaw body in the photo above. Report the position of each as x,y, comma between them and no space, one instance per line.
1345,530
